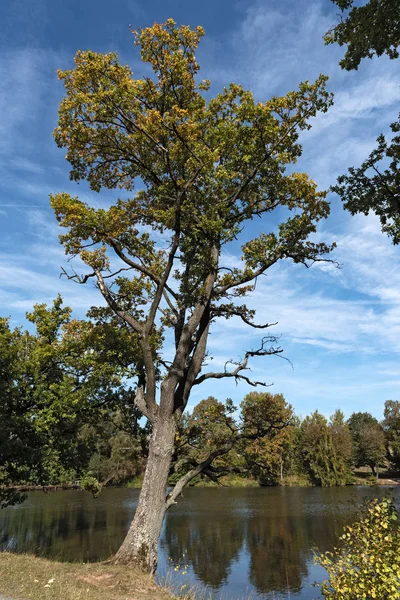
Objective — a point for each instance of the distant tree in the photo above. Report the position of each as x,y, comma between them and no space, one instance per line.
391,426
215,441
368,441
268,456
366,565
325,449
342,441
368,30
209,427
204,167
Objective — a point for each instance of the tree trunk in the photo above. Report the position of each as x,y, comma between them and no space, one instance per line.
140,547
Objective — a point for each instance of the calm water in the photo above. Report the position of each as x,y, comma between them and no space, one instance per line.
233,542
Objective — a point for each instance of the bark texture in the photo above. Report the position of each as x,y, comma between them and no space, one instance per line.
141,542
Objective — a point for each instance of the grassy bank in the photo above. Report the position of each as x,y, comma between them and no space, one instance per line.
226,481
25,577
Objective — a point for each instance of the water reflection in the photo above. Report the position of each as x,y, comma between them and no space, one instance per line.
283,545
208,540
68,525
234,541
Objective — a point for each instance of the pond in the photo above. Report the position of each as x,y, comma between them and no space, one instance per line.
234,543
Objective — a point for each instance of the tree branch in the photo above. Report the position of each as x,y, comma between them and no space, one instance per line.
177,369
139,267
268,155
247,278
239,311
162,282
107,295
148,359
205,464
242,366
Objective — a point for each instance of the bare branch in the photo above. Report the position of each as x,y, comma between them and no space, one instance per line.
75,277
243,365
239,311
247,278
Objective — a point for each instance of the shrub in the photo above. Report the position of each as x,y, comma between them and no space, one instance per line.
367,565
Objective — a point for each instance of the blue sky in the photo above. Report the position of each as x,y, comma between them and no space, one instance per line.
340,328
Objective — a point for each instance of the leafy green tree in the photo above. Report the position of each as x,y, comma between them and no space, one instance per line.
206,166
214,440
341,439
210,427
119,453
36,403
366,565
56,382
368,30
375,185
18,452
325,449
368,441
391,426
268,455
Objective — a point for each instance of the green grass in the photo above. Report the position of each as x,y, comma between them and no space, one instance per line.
136,482
296,481
227,481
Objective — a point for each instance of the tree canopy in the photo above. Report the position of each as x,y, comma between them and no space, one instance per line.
375,185
391,426
368,30
194,170
325,449
206,167
368,440
216,439
61,387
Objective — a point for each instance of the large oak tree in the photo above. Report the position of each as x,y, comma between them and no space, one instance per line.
194,171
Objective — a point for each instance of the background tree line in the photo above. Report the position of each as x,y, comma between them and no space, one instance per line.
68,414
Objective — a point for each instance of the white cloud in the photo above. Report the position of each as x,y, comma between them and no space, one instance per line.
27,91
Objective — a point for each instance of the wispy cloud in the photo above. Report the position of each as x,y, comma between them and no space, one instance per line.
26,92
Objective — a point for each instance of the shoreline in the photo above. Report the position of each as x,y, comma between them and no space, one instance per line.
41,488
359,482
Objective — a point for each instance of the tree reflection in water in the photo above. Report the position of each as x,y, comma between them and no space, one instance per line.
278,529
69,526
235,541
210,544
